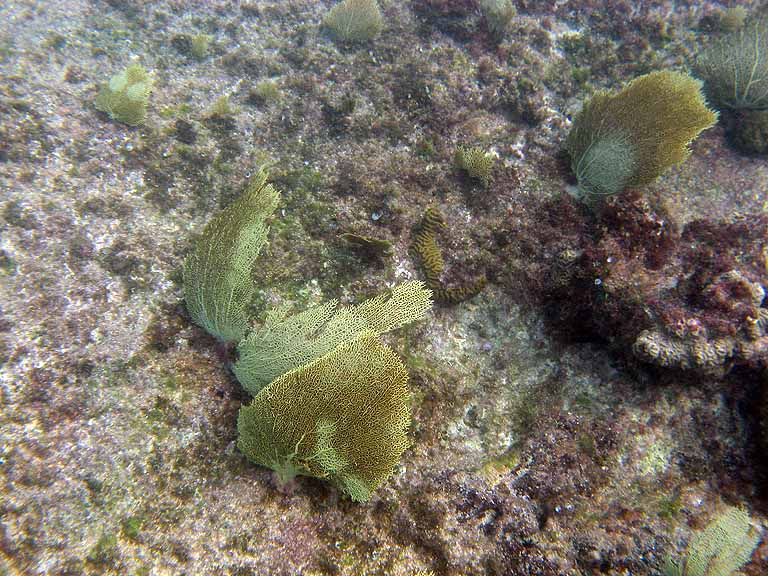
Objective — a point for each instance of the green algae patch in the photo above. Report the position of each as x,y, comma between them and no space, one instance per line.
126,96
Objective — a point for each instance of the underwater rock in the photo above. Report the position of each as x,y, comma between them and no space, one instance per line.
747,131
690,299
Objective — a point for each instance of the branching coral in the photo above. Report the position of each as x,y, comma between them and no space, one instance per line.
630,138
425,248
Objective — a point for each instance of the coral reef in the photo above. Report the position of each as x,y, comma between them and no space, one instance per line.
538,443
632,137
126,96
689,299
425,248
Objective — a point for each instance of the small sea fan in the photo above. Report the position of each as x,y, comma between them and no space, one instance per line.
126,96
355,20
735,68
217,274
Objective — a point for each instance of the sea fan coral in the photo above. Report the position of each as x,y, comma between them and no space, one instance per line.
126,96
355,20
217,274
735,68
630,138
342,418
285,342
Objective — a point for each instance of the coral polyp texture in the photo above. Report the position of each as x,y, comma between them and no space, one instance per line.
126,96
284,343
217,273
342,418
631,137
355,21
430,257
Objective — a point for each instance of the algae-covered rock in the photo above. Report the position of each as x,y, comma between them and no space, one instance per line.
748,131
632,137
126,96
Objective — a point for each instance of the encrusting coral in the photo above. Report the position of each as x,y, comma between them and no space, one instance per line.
217,273
427,251
342,418
126,96
630,138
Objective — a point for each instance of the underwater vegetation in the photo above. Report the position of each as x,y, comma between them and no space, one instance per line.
723,547
355,21
476,163
217,273
330,400
126,96
284,343
734,69
631,137
498,16
342,418
338,407
428,253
